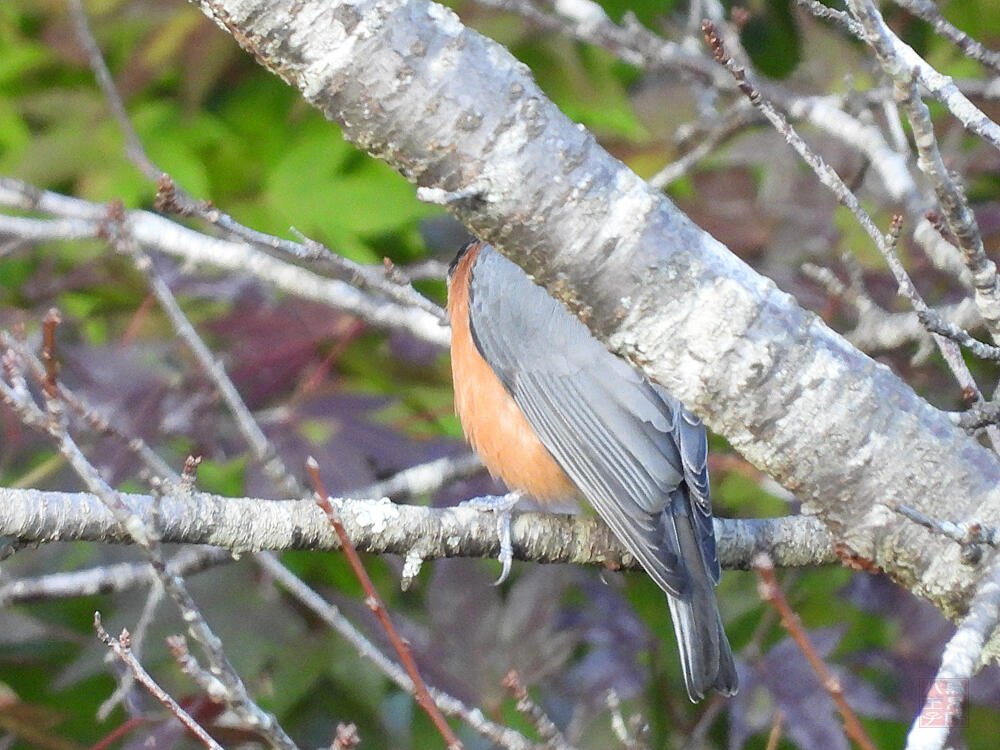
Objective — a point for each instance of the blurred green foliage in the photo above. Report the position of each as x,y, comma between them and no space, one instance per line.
771,37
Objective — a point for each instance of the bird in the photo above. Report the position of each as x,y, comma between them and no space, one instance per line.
556,415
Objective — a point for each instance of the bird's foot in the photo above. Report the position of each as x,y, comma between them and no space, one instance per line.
502,505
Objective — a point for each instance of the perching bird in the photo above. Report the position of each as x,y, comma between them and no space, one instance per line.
555,415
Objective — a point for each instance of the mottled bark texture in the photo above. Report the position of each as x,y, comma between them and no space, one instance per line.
452,110
250,525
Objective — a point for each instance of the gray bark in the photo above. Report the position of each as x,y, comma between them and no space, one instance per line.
454,111
380,526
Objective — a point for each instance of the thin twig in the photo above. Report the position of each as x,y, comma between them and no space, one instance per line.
886,243
121,648
972,49
106,579
898,58
133,145
838,17
962,657
771,592
774,736
138,634
978,416
211,685
374,602
171,197
958,215
971,535
260,447
49,322
934,323
497,733
52,422
540,720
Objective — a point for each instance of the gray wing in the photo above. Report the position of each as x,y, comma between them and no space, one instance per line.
626,444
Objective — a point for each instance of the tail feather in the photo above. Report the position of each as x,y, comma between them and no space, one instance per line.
706,658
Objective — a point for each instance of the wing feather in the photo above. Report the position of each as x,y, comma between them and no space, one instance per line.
625,443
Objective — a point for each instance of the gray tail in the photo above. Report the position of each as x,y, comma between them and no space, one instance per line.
706,657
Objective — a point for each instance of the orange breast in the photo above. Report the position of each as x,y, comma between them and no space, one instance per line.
493,423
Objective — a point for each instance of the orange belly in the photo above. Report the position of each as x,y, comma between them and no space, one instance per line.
492,422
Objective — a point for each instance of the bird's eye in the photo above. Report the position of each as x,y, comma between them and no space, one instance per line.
458,257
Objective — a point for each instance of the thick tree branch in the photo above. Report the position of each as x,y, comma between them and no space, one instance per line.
454,112
380,526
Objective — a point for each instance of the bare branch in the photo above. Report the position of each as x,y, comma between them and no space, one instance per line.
928,11
886,244
935,323
544,725
81,219
380,526
978,416
971,535
504,736
838,17
957,214
963,655
376,605
899,59
106,579
771,592
121,648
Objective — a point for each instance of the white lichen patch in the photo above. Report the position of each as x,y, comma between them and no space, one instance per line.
320,31
376,516
412,564
633,203
445,18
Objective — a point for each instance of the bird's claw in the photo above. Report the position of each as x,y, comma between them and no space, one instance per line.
502,505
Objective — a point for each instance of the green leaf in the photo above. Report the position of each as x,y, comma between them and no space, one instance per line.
177,143
222,477
649,12
771,38
317,188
